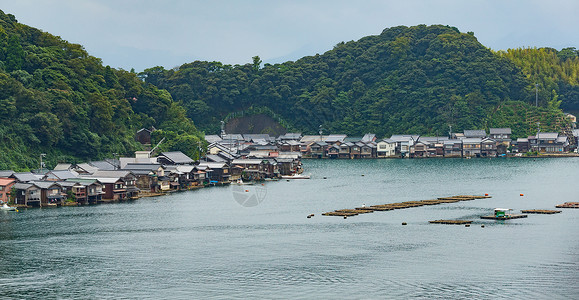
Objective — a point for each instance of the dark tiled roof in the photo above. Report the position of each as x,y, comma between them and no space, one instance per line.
177,157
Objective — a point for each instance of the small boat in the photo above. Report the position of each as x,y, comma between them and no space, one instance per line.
6,207
240,182
295,176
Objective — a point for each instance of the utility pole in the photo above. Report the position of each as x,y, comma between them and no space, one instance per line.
41,163
321,131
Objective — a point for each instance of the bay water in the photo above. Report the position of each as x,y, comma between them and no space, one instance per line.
255,241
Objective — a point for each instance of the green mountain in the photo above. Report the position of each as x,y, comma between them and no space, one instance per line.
416,80
57,99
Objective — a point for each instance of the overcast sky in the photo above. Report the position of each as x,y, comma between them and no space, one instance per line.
145,33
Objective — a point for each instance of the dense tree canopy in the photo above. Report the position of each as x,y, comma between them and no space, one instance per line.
406,80
57,99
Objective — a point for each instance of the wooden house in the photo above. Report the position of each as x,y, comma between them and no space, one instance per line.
51,193
488,148
27,194
471,147
174,158
453,148
217,172
366,150
334,151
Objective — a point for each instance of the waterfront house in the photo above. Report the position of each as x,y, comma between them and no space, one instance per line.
217,172
27,194
521,145
419,149
549,142
345,149
147,175
471,147
386,148
50,192
366,150
93,190
334,151
318,149
123,184
6,189
488,148
356,150
453,148
289,146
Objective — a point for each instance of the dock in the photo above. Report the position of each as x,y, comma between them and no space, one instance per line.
568,205
540,211
400,205
451,222
505,217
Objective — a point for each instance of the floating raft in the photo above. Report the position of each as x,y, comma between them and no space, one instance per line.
452,222
506,217
400,205
540,211
568,205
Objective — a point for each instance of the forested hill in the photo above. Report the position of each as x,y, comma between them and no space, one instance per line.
57,99
406,80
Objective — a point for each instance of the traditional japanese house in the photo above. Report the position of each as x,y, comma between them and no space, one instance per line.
453,148
218,172
27,194
334,151
60,175
51,193
365,150
488,148
471,147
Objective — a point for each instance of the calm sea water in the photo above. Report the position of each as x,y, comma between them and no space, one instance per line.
205,245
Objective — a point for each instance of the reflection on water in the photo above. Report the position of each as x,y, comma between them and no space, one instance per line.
203,244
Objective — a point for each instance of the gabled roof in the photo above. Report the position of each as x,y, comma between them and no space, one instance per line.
26,176
212,138
332,138
547,135
6,181
389,141
111,174
87,168
499,131
291,136
45,184
6,173
214,158
62,174
103,165
213,165
247,161
368,137
471,140
149,167
22,186
177,157
62,167
475,133
404,137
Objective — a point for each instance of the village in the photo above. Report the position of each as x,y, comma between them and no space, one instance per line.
238,158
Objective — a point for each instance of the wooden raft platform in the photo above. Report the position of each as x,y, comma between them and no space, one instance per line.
540,211
568,205
452,222
506,217
400,205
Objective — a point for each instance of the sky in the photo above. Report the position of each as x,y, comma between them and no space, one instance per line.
141,34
